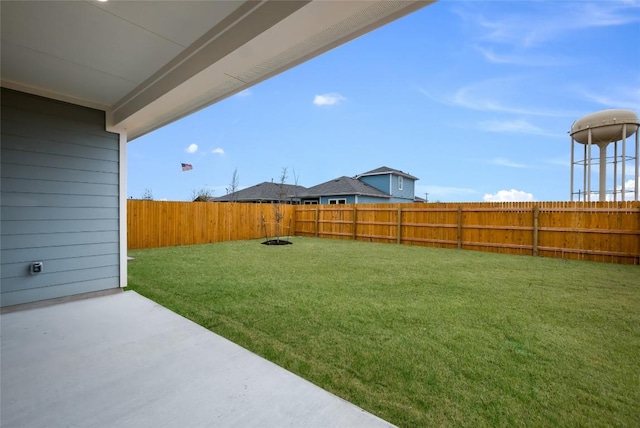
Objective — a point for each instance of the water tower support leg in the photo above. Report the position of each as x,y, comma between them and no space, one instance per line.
588,190
584,173
572,165
615,171
602,184
635,187
624,159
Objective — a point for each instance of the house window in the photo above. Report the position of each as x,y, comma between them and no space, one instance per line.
400,183
311,202
337,201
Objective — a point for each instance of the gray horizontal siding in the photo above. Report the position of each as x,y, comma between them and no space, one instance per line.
54,239
12,185
60,199
26,255
43,293
58,213
47,112
26,199
39,140
37,227
21,157
31,172
58,278
13,270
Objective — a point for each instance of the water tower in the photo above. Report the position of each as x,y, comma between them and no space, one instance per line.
601,129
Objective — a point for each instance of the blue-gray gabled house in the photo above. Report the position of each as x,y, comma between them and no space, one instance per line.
344,190
381,185
399,185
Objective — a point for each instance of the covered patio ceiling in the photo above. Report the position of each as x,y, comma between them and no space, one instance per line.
149,63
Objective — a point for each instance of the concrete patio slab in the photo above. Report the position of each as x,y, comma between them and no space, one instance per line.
124,361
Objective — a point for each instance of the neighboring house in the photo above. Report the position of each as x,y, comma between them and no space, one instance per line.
266,192
399,185
381,185
344,190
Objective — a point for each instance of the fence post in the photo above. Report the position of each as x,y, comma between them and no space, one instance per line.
536,211
459,226
355,222
317,215
399,232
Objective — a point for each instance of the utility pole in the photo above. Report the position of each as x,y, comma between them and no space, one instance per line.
426,197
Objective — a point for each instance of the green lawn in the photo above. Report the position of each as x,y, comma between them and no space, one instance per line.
421,336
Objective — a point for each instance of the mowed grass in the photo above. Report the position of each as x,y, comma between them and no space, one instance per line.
421,336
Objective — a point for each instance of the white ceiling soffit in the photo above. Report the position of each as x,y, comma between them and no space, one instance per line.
148,63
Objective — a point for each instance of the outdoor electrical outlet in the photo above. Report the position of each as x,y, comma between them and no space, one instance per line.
36,267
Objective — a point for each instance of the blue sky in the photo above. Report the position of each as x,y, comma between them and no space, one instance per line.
474,98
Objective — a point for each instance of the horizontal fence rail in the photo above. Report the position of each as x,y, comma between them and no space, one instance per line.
152,224
597,231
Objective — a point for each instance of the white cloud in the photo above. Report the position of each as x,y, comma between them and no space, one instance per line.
506,95
544,22
192,148
243,93
430,96
512,195
518,125
527,60
218,151
507,162
328,99
615,97
629,190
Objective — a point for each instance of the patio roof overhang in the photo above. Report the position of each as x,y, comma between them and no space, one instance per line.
149,63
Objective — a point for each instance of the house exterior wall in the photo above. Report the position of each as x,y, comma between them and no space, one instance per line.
59,199
389,185
351,199
380,182
408,190
372,200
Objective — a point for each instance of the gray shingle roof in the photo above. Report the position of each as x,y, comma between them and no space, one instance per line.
387,170
264,192
344,186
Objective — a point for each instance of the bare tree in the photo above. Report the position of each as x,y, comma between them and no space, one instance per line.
295,198
277,207
147,194
202,195
233,186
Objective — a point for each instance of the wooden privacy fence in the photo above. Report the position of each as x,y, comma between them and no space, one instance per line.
152,224
597,231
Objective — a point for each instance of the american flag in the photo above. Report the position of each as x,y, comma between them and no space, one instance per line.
187,167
